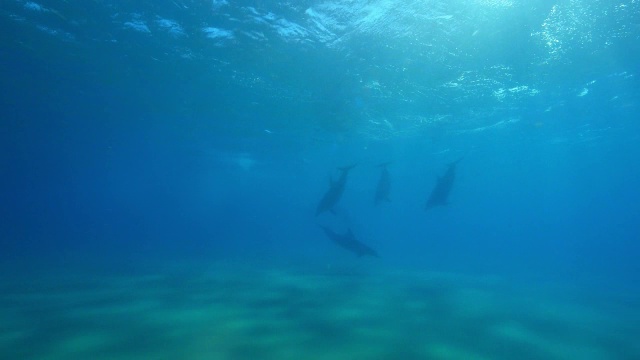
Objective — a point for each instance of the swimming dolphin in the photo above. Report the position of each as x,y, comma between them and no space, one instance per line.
384,185
333,195
349,242
441,191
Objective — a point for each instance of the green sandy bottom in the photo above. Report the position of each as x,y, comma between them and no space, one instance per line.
228,313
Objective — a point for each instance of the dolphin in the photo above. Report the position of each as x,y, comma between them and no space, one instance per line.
384,185
333,195
441,191
349,242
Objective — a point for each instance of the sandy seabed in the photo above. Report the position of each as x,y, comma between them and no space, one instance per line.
229,312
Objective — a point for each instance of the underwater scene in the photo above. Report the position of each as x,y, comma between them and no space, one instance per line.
320,179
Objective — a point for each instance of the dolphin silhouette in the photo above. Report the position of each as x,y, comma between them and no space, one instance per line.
333,195
384,185
348,241
440,192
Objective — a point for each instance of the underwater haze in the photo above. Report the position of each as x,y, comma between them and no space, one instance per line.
339,179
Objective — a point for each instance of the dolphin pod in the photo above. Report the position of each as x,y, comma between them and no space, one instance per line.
439,197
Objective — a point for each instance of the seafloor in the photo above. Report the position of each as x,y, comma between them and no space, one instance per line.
232,312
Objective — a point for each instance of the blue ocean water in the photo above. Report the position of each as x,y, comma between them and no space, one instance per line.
176,151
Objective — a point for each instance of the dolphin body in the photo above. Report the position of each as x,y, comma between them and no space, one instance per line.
333,195
384,185
441,191
348,241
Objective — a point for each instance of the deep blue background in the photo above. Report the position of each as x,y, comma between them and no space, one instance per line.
111,157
